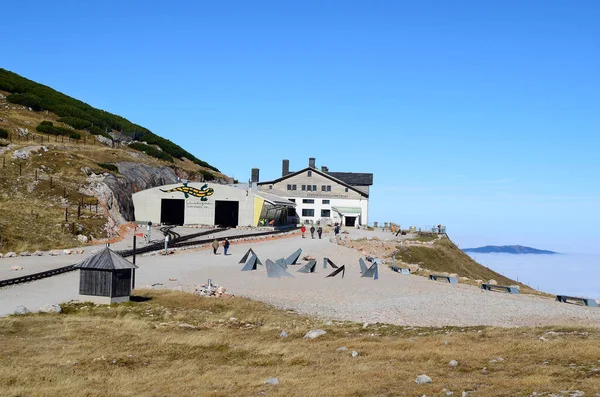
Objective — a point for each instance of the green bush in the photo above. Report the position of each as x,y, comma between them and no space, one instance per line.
151,151
74,135
110,167
48,128
46,122
208,176
76,123
3,133
77,114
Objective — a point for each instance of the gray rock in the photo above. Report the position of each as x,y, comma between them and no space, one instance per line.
283,334
82,239
341,349
21,310
422,379
25,253
577,393
492,282
38,253
10,255
272,381
464,394
453,363
54,253
354,354
50,309
315,333
1,256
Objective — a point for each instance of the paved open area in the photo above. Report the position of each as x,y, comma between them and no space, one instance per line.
394,298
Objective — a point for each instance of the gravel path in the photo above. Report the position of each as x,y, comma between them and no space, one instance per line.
394,298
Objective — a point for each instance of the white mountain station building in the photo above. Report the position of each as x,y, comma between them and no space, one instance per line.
322,196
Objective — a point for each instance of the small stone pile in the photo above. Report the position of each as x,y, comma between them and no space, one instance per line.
210,289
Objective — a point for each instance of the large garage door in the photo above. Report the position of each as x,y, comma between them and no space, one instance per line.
227,213
172,211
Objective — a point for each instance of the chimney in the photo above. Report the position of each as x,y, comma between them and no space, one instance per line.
285,167
254,175
324,169
311,162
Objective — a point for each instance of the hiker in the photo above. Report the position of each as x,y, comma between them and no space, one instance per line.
319,231
215,245
225,246
336,230
440,228
303,230
312,232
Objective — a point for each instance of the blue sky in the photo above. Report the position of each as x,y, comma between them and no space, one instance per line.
481,115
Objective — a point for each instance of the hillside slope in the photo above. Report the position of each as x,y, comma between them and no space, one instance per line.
444,256
58,182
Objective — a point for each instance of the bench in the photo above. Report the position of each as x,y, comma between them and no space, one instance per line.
450,279
401,270
586,301
506,288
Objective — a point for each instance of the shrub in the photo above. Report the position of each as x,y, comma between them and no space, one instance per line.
208,176
74,135
110,167
76,123
48,128
46,122
151,151
3,133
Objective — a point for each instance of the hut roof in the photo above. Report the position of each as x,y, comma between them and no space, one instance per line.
106,259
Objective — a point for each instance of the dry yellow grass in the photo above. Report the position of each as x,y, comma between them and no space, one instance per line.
230,347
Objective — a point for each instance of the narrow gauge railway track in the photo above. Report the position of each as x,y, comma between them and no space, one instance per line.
178,243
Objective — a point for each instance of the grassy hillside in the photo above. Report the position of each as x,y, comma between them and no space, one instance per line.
81,116
180,344
445,256
35,192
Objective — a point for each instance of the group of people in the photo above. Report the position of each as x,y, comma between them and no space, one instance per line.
319,231
215,246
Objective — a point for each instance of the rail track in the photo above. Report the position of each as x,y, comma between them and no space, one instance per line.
176,242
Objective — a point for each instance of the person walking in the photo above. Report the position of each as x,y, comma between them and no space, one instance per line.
215,245
319,231
303,230
225,246
336,229
312,232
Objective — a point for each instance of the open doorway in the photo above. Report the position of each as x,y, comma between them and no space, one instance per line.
172,211
349,220
227,213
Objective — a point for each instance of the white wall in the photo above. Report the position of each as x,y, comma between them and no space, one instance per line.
318,206
147,204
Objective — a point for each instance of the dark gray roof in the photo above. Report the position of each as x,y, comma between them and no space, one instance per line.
106,259
353,178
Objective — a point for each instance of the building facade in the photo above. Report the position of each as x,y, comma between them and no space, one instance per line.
199,203
322,196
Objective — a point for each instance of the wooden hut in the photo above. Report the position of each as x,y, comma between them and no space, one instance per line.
105,278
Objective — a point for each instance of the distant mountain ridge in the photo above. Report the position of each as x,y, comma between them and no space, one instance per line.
508,249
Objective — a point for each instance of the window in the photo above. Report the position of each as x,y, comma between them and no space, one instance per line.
308,187
323,187
303,187
309,173
308,212
314,188
346,190
293,187
289,187
325,213
308,201
292,200
328,188
270,186
325,201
